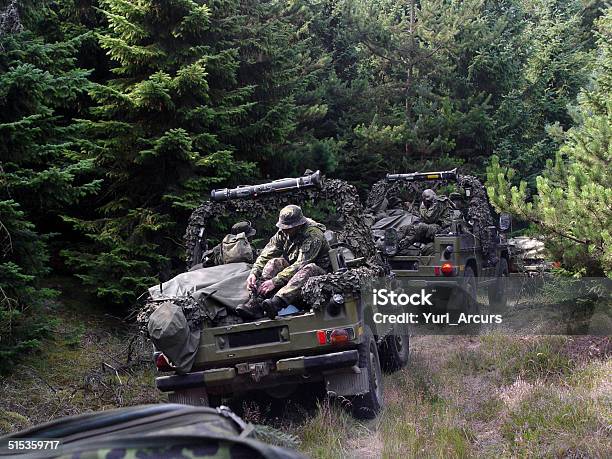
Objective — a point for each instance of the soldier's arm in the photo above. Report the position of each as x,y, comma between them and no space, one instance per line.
271,250
309,252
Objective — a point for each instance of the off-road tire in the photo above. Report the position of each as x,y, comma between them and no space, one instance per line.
394,352
367,406
463,299
469,286
498,294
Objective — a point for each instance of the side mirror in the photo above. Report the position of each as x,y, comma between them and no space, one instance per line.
505,222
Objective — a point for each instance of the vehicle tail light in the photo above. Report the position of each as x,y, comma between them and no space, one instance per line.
162,363
436,270
448,269
321,337
339,336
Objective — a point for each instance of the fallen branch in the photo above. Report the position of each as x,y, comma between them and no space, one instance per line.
115,370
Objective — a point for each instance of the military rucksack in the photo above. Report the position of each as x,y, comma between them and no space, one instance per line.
161,431
235,248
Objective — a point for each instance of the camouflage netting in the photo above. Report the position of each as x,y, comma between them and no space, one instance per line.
194,313
479,210
319,290
344,196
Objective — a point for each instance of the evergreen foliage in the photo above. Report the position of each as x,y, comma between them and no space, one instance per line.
161,136
182,96
39,171
572,204
281,57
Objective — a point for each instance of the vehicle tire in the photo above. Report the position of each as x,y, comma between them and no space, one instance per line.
498,292
194,397
469,286
367,406
394,352
465,298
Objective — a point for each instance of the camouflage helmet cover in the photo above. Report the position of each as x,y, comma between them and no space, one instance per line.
290,216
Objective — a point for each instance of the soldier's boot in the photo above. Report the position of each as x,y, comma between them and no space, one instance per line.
251,310
272,305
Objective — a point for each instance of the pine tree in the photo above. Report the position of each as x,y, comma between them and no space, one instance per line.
572,204
555,64
430,77
161,131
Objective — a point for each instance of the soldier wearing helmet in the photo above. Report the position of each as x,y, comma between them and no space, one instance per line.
296,252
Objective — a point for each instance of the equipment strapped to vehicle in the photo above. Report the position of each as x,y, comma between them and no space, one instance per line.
424,176
277,186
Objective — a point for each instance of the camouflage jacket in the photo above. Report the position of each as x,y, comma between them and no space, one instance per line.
439,213
307,246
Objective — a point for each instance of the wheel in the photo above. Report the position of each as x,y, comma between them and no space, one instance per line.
394,352
469,286
367,406
498,294
464,299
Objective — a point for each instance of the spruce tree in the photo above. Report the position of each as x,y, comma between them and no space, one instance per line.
40,174
430,78
162,131
281,57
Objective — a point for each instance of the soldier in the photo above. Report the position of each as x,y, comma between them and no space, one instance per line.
435,214
296,252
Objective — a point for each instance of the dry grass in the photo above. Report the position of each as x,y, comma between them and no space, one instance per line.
493,396
490,396
94,362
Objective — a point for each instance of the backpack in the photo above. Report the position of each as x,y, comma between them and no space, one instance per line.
158,431
235,248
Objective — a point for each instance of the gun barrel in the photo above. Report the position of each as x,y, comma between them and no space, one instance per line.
277,186
424,176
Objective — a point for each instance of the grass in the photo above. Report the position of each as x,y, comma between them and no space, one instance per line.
93,362
492,396
488,396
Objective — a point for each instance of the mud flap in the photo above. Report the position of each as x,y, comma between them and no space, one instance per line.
196,396
348,383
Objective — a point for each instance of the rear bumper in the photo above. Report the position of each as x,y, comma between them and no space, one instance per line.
281,371
448,283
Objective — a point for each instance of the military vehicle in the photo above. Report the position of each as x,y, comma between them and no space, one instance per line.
330,338
469,253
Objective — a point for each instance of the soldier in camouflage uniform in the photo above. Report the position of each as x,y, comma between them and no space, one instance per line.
295,253
435,213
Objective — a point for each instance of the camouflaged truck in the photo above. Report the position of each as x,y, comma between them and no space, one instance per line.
468,254
330,338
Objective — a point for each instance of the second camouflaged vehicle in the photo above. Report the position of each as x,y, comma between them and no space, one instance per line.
329,338
468,251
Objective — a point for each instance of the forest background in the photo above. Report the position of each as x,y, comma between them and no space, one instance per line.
118,117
